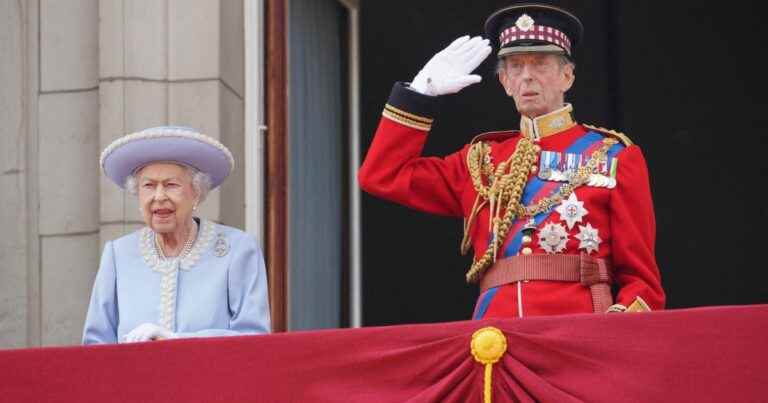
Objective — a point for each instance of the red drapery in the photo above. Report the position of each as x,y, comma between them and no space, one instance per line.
703,354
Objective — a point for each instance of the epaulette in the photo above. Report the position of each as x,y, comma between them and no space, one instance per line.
496,136
612,133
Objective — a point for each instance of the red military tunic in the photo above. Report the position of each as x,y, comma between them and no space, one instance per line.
622,215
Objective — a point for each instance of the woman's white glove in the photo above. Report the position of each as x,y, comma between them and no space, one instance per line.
148,331
448,70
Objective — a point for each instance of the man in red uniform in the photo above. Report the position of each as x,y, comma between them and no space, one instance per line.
559,214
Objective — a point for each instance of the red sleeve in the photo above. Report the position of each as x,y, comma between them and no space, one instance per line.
394,168
633,229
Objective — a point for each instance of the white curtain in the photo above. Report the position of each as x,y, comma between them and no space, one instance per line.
316,154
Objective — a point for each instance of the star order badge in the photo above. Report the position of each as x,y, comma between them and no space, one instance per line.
588,238
572,210
553,237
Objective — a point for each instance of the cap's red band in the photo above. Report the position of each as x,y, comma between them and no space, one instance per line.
536,32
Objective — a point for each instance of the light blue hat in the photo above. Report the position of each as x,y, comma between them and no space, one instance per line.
178,144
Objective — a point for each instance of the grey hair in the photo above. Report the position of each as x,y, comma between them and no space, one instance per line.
201,182
562,59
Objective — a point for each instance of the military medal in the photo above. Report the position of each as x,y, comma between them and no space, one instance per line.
553,238
545,173
221,247
571,210
548,164
572,163
601,181
597,180
588,238
613,168
605,176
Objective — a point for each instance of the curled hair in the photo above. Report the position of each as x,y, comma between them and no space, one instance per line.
201,182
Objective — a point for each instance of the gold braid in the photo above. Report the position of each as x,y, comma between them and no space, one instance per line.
506,190
478,160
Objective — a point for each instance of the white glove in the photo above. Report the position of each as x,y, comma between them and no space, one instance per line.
148,331
448,70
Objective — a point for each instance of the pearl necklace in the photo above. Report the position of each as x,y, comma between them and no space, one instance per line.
184,251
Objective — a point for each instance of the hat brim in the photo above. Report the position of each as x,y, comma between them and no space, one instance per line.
531,49
127,158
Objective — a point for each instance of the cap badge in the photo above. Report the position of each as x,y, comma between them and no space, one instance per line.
524,23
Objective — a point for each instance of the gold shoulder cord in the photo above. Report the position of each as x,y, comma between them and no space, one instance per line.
613,133
505,188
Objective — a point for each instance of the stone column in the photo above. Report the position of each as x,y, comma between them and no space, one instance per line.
48,176
14,183
68,145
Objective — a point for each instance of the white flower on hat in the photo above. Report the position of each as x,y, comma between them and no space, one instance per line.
525,22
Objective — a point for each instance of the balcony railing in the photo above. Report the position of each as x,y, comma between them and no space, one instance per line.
703,354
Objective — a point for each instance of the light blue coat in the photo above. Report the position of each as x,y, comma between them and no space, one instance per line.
218,289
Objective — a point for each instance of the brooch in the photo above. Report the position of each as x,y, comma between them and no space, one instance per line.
221,246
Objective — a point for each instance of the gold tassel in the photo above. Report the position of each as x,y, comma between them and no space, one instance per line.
488,345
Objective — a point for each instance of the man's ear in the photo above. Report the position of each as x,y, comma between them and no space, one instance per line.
570,77
504,80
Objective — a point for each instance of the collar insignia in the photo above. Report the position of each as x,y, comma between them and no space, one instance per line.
549,124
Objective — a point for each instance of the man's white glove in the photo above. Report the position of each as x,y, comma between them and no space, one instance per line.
148,331
448,70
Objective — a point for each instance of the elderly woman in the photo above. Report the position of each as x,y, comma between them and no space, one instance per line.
180,276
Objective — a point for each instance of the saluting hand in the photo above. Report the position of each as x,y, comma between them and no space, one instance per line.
448,70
